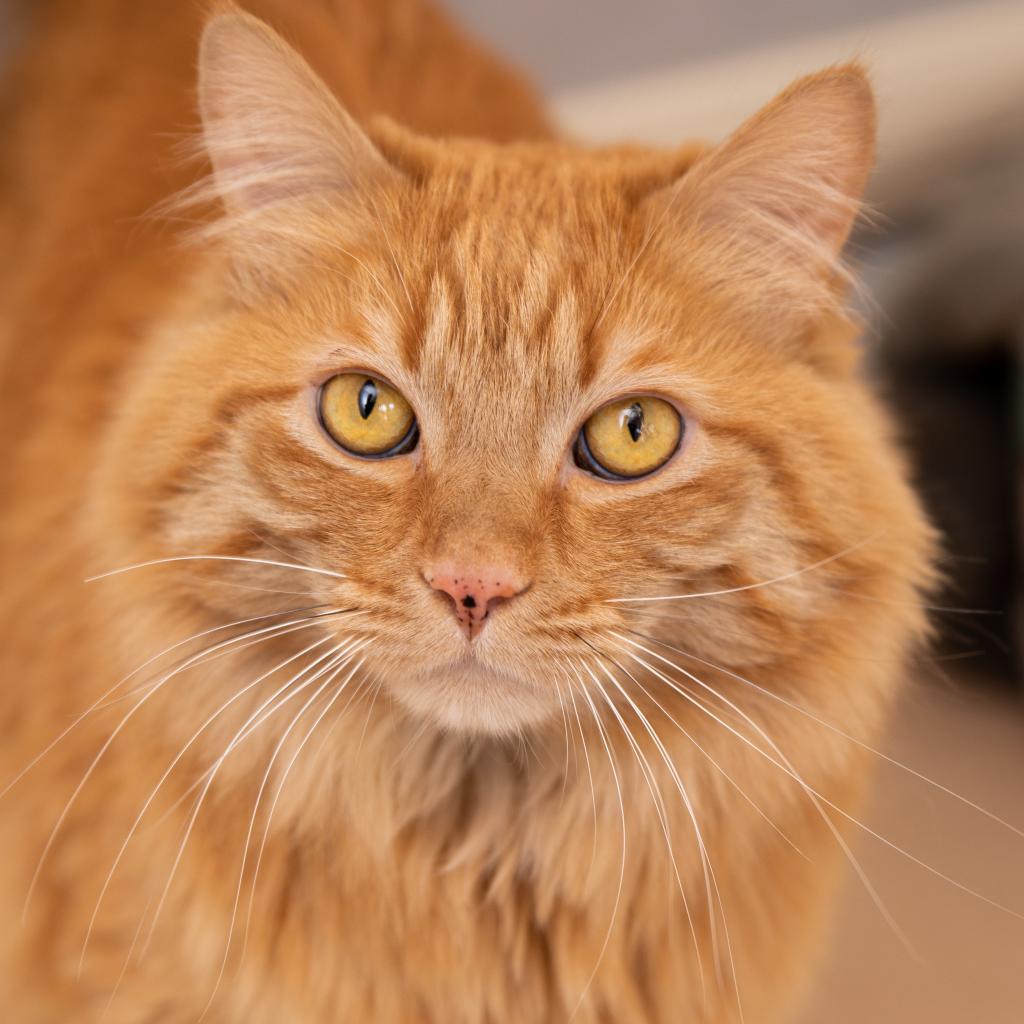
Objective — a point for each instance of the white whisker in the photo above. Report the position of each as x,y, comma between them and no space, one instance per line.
590,773
120,726
124,966
193,578
273,806
662,815
728,778
622,861
378,687
786,767
339,653
241,643
214,558
263,842
565,734
163,778
853,739
749,586
134,672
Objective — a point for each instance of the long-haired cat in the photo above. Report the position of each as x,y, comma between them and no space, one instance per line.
474,513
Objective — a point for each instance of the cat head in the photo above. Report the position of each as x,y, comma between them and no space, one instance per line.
509,411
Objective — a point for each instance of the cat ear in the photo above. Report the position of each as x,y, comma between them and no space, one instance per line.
784,190
272,129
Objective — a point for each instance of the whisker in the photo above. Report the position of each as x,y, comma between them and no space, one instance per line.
565,732
411,742
959,656
284,777
659,806
241,644
273,806
251,725
853,739
590,773
366,721
665,615
786,767
214,558
748,586
330,732
117,730
728,778
344,653
134,672
939,608
645,769
270,544
622,861
193,578
124,967
811,791
163,778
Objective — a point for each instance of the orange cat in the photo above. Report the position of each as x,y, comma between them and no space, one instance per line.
481,506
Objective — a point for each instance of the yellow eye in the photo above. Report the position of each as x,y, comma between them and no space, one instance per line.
629,438
367,417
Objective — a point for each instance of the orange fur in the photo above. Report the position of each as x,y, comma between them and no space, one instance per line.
463,838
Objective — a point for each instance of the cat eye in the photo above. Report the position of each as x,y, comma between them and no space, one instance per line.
629,438
367,417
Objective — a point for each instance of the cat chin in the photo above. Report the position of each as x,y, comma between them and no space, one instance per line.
472,698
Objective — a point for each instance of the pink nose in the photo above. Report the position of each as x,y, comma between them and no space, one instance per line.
475,591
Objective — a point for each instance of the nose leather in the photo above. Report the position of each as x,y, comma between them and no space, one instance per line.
474,591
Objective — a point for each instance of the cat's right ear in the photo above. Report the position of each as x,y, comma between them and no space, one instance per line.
778,198
271,128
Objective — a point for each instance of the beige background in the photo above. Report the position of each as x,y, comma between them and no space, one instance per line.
973,955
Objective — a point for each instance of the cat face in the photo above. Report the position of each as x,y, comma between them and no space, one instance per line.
521,406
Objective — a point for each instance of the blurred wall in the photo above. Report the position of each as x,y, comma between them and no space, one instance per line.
566,44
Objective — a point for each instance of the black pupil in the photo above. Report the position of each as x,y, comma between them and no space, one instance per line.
635,421
367,399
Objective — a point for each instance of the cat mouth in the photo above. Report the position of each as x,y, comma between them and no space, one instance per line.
472,668
468,694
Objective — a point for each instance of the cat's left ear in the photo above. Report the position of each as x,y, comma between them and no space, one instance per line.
272,129
781,194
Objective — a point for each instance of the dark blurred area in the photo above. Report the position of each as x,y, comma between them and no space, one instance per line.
947,276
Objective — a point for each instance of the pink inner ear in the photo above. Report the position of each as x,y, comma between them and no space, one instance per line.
272,129
793,174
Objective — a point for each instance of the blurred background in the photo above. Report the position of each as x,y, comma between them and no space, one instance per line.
942,258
